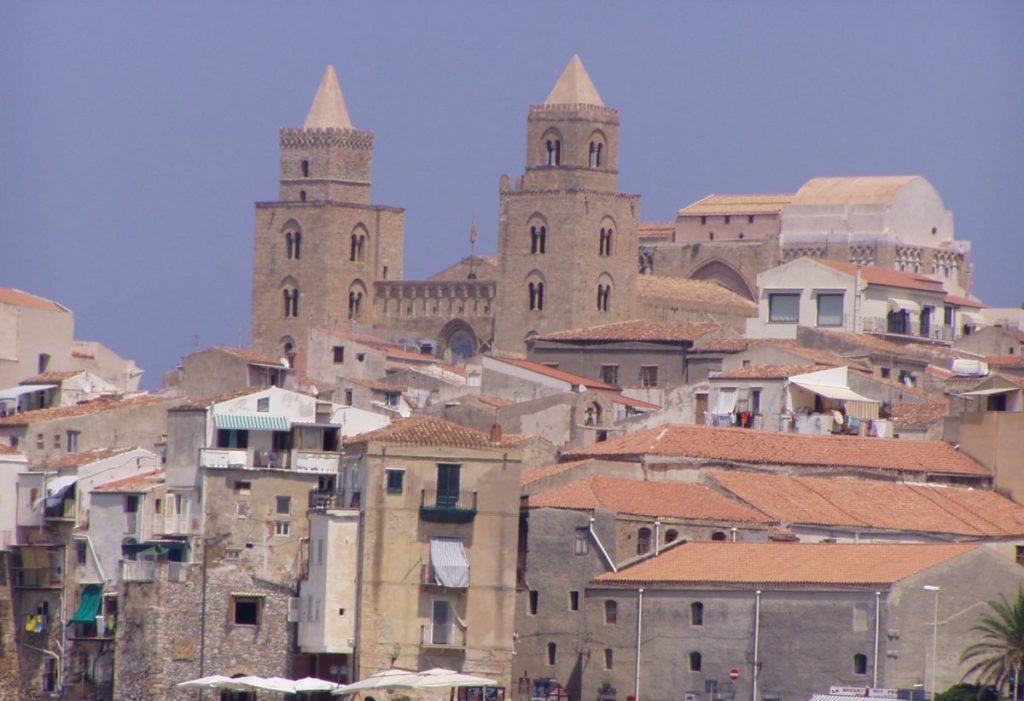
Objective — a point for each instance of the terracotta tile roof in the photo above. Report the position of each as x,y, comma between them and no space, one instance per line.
133,484
656,230
682,500
535,473
434,432
557,374
1004,360
919,415
8,450
885,276
376,385
964,301
17,298
250,356
223,397
736,204
637,330
938,372
84,458
616,398
874,344
95,406
818,356
696,291
51,378
722,345
764,372
821,501
497,402
760,447
787,564
1012,379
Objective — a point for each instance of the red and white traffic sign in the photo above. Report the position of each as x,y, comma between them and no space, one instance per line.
734,674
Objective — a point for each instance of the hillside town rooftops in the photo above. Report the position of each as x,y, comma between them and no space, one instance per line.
251,357
533,474
764,372
84,458
781,565
877,505
54,377
680,500
918,415
134,484
765,448
636,330
94,406
435,432
555,373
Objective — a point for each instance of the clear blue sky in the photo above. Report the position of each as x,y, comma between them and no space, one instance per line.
135,137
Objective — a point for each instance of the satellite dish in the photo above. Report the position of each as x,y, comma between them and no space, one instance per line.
582,388
838,417
284,362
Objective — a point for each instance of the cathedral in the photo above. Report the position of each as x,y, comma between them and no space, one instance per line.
571,251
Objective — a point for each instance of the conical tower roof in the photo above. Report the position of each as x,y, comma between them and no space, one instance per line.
328,110
574,87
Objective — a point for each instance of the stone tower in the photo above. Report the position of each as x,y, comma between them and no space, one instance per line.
567,241
321,247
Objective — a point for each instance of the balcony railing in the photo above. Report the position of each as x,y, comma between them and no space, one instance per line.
429,577
446,635
447,506
138,571
298,460
37,577
63,510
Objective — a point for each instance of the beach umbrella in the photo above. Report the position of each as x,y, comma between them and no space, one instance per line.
279,684
388,679
440,677
209,682
307,684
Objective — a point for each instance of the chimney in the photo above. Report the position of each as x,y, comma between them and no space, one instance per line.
495,432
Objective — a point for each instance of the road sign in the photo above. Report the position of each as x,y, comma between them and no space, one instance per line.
734,674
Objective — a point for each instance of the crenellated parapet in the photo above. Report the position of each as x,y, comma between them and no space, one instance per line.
424,298
326,138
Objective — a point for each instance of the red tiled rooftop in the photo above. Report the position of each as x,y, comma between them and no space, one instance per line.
761,447
54,377
18,298
432,431
1005,360
616,398
637,330
764,372
85,408
378,385
655,230
875,344
737,204
920,415
557,374
885,276
536,473
959,301
680,500
222,397
133,484
698,292
822,501
787,564
85,458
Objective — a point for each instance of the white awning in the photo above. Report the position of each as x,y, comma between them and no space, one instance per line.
252,422
986,392
832,392
897,304
448,557
15,392
974,319
58,485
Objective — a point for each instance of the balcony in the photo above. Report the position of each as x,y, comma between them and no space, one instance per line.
428,578
446,636
325,462
63,510
37,577
447,506
138,571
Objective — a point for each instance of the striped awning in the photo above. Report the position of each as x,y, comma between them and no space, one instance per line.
898,304
252,422
448,557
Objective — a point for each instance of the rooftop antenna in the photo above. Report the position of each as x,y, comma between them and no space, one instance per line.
472,249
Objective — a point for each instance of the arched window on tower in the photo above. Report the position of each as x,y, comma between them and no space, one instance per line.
554,150
605,248
538,239
297,244
291,302
355,300
289,245
604,293
595,154
536,290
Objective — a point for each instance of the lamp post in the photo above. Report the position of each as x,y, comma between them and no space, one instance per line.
935,632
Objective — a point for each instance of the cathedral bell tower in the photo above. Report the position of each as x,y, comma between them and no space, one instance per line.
321,246
567,238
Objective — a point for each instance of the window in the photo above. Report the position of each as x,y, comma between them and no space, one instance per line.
897,321
243,487
448,483
284,505
885,373
649,376
574,601
536,290
40,442
81,550
696,614
860,663
302,195
534,601
348,397
595,154
538,239
711,236
246,610
750,218
719,535
391,398
554,152
355,300
611,611
305,169
582,543
830,310
232,553
671,535
131,504
395,480
232,438
56,441
754,400
44,362
158,506
605,248
552,654
947,316
339,355
925,322
783,308
609,658
49,681
727,218
357,247
604,293
696,660
610,374
282,527
263,405
703,221
643,541
291,302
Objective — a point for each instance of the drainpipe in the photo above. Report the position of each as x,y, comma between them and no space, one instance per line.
639,631
757,634
878,615
657,535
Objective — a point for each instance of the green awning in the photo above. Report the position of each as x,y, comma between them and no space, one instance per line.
252,422
89,606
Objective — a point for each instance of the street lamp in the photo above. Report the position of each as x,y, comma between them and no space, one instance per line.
935,632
